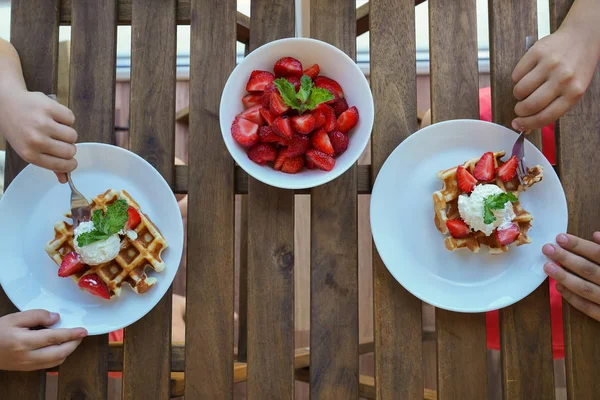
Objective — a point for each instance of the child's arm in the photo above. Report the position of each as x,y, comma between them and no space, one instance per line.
555,73
37,127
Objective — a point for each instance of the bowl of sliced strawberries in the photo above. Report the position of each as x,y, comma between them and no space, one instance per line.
296,113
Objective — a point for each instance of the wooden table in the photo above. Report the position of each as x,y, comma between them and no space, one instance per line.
211,179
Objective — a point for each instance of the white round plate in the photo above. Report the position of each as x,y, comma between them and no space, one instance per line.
35,201
413,249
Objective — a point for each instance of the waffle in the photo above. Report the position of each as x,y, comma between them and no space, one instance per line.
445,202
134,256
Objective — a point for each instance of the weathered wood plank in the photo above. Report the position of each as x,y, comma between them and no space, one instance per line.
578,143
398,346
34,34
146,369
210,266
334,256
453,47
92,100
270,249
526,343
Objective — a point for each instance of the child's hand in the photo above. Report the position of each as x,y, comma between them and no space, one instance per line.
38,128
551,77
579,281
22,349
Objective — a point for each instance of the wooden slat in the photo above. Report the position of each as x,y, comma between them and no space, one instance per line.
461,339
362,19
334,256
242,344
146,368
34,34
210,265
92,99
270,249
577,149
526,343
398,347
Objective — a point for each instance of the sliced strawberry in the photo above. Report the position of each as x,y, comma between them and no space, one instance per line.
320,117
262,153
330,121
466,181
269,89
266,115
320,159
279,160
93,284
310,164
458,229
283,127
244,132
266,135
258,80
293,165
339,106
288,66
134,218
508,170
348,119
70,265
508,235
304,123
331,85
253,114
277,106
339,141
321,142
297,146
250,100
484,169
312,72
294,80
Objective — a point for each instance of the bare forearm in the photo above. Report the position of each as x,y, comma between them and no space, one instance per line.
11,74
583,19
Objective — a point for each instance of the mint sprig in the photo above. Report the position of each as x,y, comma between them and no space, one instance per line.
496,202
308,96
106,224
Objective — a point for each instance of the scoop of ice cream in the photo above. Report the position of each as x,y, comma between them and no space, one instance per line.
97,252
471,209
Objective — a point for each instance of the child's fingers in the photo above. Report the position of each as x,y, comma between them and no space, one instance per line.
64,133
585,306
61,114
62,177
530,82
525,64
52,356
573,262
574,283
59,149
547,116
52,337
538,100
33,318
57,164
596,237
584,248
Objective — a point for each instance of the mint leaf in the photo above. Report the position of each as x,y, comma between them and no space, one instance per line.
306,86
97,220
488,216
317,96
116,217
496,202
90,237
288,93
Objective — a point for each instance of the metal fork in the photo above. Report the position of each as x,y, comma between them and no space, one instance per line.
80,207
518,149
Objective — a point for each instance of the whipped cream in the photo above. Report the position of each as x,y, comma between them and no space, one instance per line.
98,252
471,209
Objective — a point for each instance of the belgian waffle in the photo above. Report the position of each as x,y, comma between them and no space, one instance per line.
134,256
445,203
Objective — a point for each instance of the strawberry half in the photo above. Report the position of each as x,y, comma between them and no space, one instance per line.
244,132
484,169
134,218
320,116
269,89
96,286
259,80
348,119
70,265
508,235
288,66
331,85
313,71
294,80
304,123
279,160
253,114
466,181
339,107
277,105
321,142
250,100
330,122
266,135
339,141
283,127
320,160
458,229
297,146
266,115
508,170
293,165
262,153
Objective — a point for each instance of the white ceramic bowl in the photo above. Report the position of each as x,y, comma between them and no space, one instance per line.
334,64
